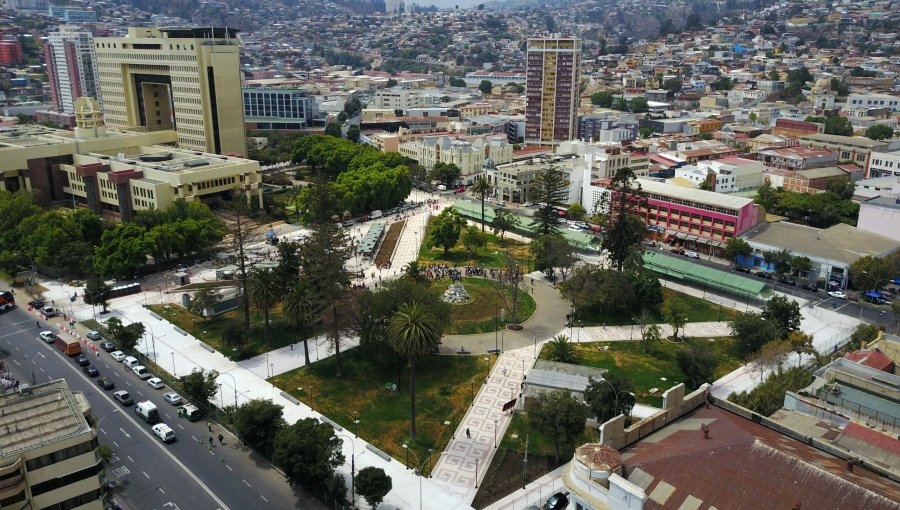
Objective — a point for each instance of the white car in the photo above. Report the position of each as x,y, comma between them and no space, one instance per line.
172,398
48,311
141,371
299,238
47,336
156,383
837,294
117,355
164,432
691,255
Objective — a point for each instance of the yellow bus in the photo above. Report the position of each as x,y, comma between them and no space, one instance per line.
70,347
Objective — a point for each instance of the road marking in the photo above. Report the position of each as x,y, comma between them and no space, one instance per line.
145,474
161,490
128,383
229,467
264,498
126,433
194,438
115,444
121,471
246,482
129,458
179,426
103,431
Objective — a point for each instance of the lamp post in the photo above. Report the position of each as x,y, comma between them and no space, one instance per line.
235,387
419,466
476,474
352,468
616,400
173,365
97,425
534,355
33,379
495,434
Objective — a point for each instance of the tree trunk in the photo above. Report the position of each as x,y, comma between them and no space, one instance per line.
305,350
266,327
412,399
337,341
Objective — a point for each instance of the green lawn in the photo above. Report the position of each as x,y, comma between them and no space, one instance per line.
645,370
700,310
444,388
477,316
210,331
492,255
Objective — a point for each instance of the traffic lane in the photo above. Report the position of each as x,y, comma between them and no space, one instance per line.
150,477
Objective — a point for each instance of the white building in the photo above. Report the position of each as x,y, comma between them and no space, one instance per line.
468,154
874,101
71,67
884,163
881,215
605,158
731,174
396,98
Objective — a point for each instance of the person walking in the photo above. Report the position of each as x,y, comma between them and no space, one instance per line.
468,434
221,439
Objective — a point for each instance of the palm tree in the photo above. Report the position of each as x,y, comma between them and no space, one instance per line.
413,332
264,292
413,272
562,350
301,311
482,187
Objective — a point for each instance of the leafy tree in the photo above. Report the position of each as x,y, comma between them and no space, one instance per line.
698,362
413,332
373,484
736,247
645,132
768,397
620,104
447,173
768,29
200,385
592,286
456,82
204,298
773,354
559,415
334,129
647,289
801,343
445,229
483,188
866,272
235,333
624,238
552,251
288,265
650,336
609,396
561,350
550,189
257,423
801,263
880,132
774,75
472,239
675,311
485,87
126,337
864,333
243,233
837,125
752,331
122,250
602,99
723,83
576,212
302,311
784,313
308,452
97,292
353,133
673,85
504,221
639,105
509,289
780,259
264,291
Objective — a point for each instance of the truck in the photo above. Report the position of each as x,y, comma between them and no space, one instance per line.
148,411
164,432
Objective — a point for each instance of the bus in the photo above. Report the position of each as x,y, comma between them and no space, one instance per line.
70,347
7,300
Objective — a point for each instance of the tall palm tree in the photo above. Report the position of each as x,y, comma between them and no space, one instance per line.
413,272
301,310
482,187
264,292
413,332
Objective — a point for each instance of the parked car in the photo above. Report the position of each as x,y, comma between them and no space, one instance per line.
809,286
47,336
558,501
117,355
500,203
190,411
94,335
123,398
172,398
141,371
106,383
156,383
765,275
527,204
677,251
36,303
787,280
838,294
82,360
108,346
691,255
460,189
164,432
49,311
741,269
91,371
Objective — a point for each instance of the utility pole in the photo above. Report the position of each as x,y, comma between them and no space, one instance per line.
525,464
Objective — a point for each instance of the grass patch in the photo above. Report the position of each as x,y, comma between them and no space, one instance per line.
699,310
444,385
210,331
492,255
645,369
478,316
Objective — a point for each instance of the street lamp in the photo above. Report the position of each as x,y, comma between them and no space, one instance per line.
235,388
419,466
353,468
173,365
616,403
33,379
495,433
97,425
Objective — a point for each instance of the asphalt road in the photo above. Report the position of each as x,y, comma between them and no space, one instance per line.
185,474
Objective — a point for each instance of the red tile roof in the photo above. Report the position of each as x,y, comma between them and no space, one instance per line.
874,359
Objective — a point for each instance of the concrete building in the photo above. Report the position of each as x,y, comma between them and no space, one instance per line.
473,79
11,52
397,98
850,148
880,215
276,108
812,180
797,158
727,175
553,69
883,164
604,159
874,101
185,79
71,14
607,127
50,456
71,67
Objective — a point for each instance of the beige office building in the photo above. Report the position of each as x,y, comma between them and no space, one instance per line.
182,79
49,456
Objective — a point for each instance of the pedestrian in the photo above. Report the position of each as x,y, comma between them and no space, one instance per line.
468,434
209,426
292,347
210,440
221,439
37,324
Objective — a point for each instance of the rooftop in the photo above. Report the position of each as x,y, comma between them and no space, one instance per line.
881,201
38,415
841,242
859,141
694,195
797,151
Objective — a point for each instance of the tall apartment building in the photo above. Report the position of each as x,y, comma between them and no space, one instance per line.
553,66
50,455
71,67
11,51
185,79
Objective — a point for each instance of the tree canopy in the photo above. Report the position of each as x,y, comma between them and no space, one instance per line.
445,229
550,190
820,210
308,452
559,415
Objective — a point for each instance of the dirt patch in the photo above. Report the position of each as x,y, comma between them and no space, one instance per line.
390,242
505,475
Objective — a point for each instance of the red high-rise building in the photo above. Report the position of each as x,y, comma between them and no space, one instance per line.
10,52
553,69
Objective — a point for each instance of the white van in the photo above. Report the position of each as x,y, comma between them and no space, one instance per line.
164,432
374,215
130,361
442,187
147,410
